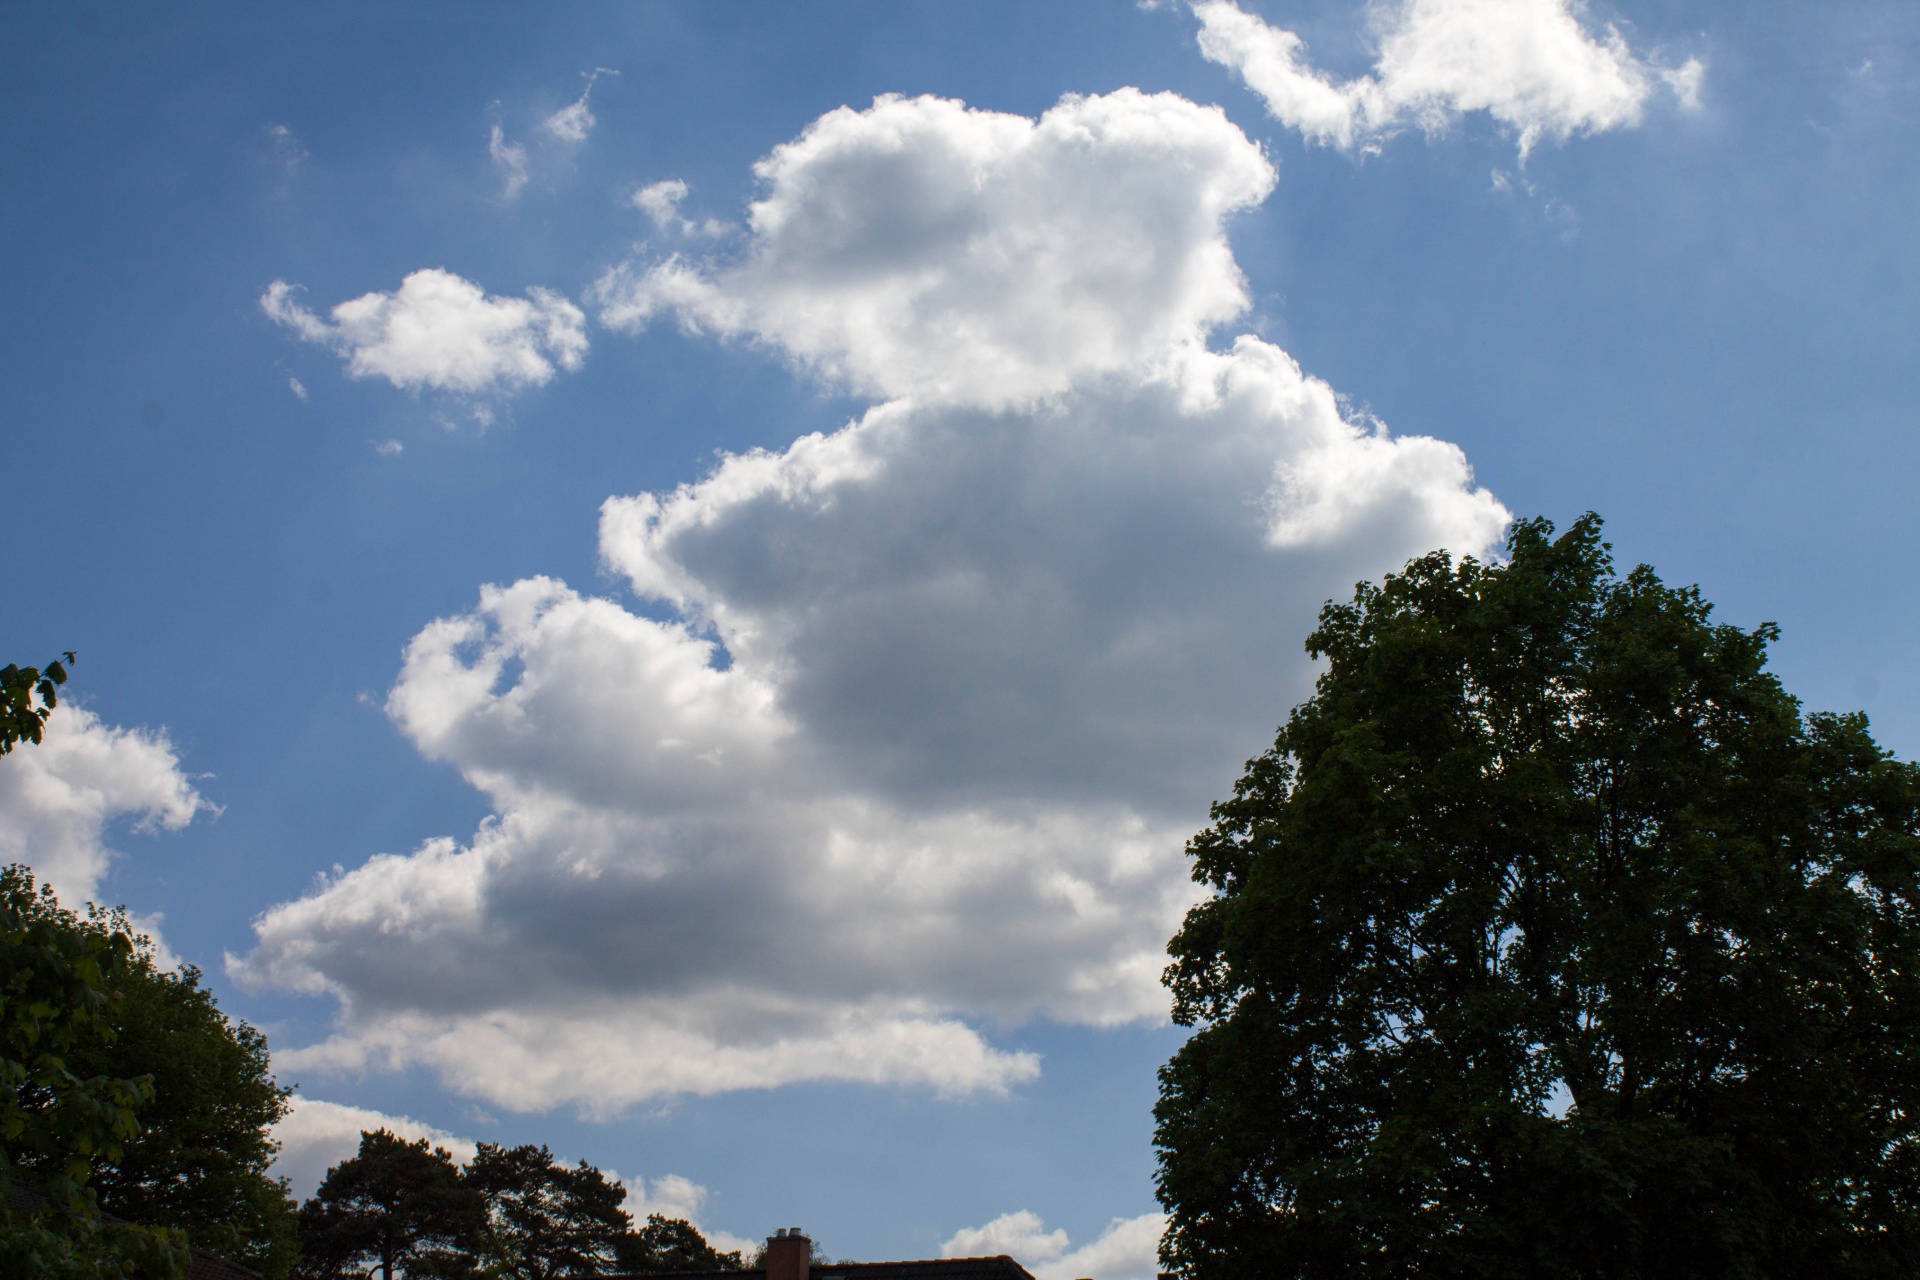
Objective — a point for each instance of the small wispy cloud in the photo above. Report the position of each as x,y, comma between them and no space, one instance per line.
286,149
509,159
573,122
298,387
660,201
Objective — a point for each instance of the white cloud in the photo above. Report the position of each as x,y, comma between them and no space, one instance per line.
672,1196
1021,1235
573,122
314,1136
389,448
660,201
298,388
440,331
57,798
1530,64
921,711
286,150
510,159
1126,1250
921,248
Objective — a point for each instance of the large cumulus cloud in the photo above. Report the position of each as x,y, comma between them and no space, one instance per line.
921,248
901,732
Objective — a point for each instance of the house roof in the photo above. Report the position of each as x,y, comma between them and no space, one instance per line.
999,1267
202,1265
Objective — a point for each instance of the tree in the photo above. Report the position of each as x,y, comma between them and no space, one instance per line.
200,1159
58,986
20,687
399,1207
674,1244
545,1220
1550,939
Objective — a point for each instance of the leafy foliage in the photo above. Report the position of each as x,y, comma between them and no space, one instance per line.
1550,939
21,720
399,1207
59,984
200,1159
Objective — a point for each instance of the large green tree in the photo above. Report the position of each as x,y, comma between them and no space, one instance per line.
57,1123
201,1157
60,1120
1551,938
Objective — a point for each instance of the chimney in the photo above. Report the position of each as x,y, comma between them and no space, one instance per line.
788,1252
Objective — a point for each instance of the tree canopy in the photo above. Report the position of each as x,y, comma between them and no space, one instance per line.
545,1220
674,1244
399,1208
201,1156
59,985
122,1086
406,1209
1552,938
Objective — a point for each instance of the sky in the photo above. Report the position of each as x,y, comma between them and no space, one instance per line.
670,579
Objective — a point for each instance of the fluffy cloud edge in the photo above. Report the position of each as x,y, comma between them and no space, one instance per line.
58,798
985,293
672,1196
1127,1249
315,1135
605,1059
1529,64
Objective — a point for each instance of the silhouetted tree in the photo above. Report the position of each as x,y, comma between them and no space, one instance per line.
545,1220
1550,939
673,1244
398,1207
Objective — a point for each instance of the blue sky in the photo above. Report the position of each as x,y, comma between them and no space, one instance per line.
796,832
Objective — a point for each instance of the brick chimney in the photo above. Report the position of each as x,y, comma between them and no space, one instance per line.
788,1252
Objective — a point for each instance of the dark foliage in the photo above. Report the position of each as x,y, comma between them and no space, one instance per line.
60,1122
405,1209
545,1220
399,1208
201,1157
673,1244
27,696
1550,939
